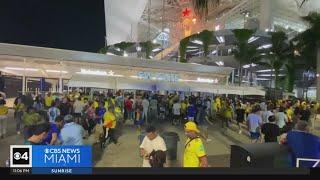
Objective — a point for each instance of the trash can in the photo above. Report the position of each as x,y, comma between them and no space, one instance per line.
171,139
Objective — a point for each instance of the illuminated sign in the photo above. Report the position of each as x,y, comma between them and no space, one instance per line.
215,81
170,77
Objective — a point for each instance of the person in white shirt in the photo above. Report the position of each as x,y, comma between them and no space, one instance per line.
145,105
266,114
78,108
281,118
176,112
151,142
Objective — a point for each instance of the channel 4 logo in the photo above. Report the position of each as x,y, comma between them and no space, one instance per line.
20,156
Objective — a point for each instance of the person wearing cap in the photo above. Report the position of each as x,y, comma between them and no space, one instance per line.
71,133
194,152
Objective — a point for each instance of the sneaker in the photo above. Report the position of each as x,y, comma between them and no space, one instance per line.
18,133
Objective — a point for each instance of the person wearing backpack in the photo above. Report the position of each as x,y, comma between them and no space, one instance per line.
53,112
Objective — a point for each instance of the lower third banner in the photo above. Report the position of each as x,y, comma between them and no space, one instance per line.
62,160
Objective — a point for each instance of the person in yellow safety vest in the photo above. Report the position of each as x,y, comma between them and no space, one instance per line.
110,122
194,151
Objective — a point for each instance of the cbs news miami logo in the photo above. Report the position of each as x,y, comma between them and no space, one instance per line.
50,156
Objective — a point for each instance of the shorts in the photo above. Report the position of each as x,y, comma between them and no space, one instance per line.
77,115
191,118
254,135
177,116
203,127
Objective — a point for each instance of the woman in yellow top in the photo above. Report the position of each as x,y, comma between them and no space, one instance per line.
3,119
110,123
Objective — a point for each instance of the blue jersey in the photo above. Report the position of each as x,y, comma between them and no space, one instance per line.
100,112
191,111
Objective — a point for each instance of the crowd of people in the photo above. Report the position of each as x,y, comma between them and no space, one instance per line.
68,119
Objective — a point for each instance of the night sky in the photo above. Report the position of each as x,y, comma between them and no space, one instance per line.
65,24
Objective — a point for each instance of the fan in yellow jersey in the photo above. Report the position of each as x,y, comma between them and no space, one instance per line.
3,118
194,152
110,124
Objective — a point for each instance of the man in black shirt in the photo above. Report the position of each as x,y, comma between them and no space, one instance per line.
270,130
64,107
305,114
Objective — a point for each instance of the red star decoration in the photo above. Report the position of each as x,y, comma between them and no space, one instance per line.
186,12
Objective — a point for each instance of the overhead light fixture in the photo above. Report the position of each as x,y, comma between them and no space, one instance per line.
220,63
21,69
262,79
265,70
166,30
248,65
200,52
151,57
154,41
192,50
214,52
194,20
56,71
111,54
117,49
221,39
138,48
192,47
266,46
217,27
125,54
197,42
252,39
155,50
195,63
268,75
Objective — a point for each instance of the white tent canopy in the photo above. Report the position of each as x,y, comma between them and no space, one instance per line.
79,80
105,82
